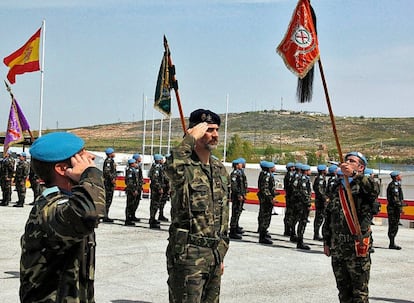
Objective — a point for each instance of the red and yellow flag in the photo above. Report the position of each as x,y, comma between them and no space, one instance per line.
299,48
25,59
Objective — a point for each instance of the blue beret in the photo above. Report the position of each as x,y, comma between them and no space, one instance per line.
236,161
136,156
157,157
55,147
333,168
305,167
242,160
359,155
109,150
368,171
394,173
290,164
321,167
23,154
130,161
203,115
340,172
267,164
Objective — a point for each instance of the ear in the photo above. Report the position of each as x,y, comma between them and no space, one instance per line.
60,168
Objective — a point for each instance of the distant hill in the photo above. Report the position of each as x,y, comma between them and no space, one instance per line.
390,138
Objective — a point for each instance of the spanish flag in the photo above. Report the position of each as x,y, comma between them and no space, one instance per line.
25,59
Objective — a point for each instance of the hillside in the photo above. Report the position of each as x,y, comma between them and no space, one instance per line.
389,138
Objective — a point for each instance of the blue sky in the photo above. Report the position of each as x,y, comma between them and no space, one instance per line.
102,57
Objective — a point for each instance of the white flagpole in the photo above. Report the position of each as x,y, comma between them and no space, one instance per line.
225,129
144,118
169,137
161,121
152,135
42,68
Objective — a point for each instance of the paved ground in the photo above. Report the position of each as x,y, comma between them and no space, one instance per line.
131,263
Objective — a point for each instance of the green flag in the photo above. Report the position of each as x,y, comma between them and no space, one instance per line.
162,100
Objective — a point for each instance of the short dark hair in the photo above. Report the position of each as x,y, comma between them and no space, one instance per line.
44,170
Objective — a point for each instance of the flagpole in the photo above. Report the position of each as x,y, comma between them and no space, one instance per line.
175,85
152,134
42,65
144,118
338,146
161,121
225,129
169,136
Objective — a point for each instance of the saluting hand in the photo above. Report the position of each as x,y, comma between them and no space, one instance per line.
198,131
80,162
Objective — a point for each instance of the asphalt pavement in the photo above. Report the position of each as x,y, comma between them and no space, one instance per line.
131,264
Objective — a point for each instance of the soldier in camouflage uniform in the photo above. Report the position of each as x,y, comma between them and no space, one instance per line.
34,184
267,191
7,172
332,176
165,193
351,268
287,186
198,239
157,186
58,245
319,187
395,199
294,201
131,189
238,195
22,171
109,174
138,167
302,196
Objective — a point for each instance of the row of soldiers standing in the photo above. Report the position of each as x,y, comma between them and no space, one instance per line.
134,181
18,173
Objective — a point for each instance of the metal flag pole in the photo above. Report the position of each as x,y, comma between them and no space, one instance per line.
169,136
161,122
42,65
225,129
152,133
144,118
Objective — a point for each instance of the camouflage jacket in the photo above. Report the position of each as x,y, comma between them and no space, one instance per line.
133,180
109,170
58,245
22,171
395,195
157,177
199,194
319,187
7,168
335,230
238,186
266,184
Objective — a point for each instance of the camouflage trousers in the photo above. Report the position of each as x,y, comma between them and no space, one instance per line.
193,275
7,190
155,204
352,277
21,190
109,194
265,213
319,216
394,213
131,205
289,215
236,210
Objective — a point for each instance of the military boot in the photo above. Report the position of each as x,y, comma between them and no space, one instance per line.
393,245
240,230
301,245
161,217
234,235
18,204
317,237
263,239
154,224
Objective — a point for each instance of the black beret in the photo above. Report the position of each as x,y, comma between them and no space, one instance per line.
203,115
